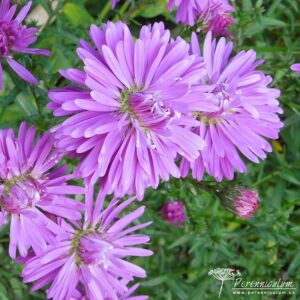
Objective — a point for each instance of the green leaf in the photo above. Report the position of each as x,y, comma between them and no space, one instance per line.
267,21
154,10
175,287
156,281
77,15
295,264
182,240
288,176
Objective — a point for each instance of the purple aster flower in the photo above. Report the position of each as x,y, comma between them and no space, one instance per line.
173,212
214,15
31,191
128,120
296,68
90,256
248,112
241,201
16,38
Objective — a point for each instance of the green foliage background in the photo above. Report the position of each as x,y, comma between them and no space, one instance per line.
263,248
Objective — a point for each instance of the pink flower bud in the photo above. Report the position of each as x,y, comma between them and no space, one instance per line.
242,201
173,212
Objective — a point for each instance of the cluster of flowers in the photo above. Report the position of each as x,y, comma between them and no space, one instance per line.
137,106
81,254
139,111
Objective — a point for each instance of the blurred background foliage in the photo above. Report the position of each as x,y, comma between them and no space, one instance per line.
263,248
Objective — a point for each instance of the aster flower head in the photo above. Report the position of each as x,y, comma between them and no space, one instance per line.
16,38
128,119
90,257
241,201
212,15
296,68
173,212
32,191
247,114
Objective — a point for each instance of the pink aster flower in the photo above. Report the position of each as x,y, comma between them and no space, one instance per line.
241,201
248,112
296,68
128,120
173,212
212,14
31,191
91,256
16,38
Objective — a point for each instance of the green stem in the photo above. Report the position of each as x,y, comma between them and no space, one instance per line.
54,12
36,102
121,11
135,10
104,11
265,178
